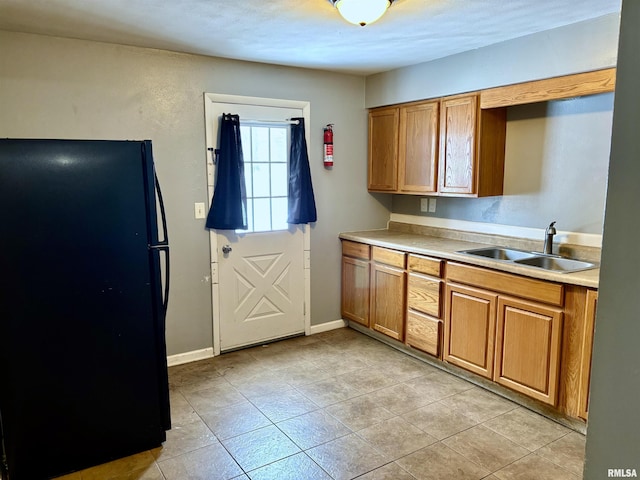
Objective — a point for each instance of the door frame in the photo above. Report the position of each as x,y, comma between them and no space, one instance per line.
211,143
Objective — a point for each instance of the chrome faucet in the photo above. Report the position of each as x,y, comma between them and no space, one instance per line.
548,238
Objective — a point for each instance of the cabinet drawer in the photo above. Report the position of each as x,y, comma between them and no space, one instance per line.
423,294
388,257
354,249
426,265
424,332
529,288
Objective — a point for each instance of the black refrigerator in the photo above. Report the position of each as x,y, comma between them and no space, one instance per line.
83,291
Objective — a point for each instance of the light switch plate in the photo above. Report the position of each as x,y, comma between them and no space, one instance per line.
424,204
432,205
199,210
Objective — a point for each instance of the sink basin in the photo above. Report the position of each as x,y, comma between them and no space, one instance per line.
531,259
499,253
556,264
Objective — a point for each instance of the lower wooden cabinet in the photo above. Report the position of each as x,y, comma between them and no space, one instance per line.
470,325
388,300
354,301
511,341
528,348
529,335
355,290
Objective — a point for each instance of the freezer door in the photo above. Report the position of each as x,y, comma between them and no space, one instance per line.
81,335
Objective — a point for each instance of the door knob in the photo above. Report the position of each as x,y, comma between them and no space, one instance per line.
226,249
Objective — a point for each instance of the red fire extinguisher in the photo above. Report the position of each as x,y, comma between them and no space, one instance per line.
328,145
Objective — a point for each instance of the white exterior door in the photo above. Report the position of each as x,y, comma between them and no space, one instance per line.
261,286
260,276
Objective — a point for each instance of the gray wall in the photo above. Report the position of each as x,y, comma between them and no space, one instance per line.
60,88
556,163
580,47
557,153
613,439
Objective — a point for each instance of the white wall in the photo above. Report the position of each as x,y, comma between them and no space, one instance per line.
60,88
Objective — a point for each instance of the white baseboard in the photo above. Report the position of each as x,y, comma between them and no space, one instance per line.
205,353
187,357
325,327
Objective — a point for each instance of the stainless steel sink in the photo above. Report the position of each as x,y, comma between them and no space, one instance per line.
499,253
556,264
531,259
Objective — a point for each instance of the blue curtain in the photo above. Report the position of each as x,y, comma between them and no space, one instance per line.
302,204
229,205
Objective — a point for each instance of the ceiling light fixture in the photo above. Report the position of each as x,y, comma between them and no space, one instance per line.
361,12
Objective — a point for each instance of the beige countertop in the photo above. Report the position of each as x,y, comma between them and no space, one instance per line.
446,248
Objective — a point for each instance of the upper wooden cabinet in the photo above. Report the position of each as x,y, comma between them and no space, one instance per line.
383,149
472,144
418,148
439,147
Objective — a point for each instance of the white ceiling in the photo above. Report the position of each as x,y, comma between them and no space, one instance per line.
302,33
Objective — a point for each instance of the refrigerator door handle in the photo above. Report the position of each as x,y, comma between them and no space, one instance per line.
163,245
165,236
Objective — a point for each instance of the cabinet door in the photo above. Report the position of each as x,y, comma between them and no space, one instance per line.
458,130
418,148
587,350
383,149
388,300
528,348
355,290
469,330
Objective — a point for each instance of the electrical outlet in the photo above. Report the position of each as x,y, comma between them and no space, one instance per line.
424,204
432,205
199,210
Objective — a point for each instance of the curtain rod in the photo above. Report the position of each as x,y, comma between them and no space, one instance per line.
270,122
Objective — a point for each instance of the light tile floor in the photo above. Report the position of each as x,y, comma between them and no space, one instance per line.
340,405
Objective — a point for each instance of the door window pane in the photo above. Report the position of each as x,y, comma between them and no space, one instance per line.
279,180
279,212
260,144
279,145
261,214
266,154
261,187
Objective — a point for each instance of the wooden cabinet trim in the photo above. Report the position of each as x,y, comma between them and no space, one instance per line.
587,352
566,86
529,288
387,256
